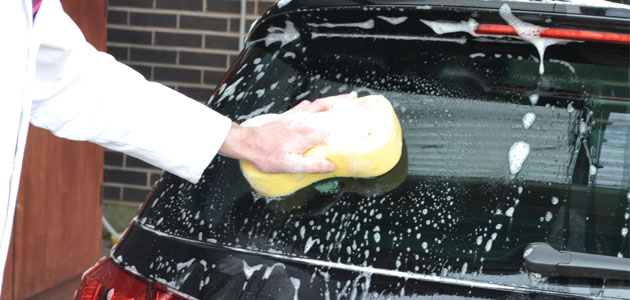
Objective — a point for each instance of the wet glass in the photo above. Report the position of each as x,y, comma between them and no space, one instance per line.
496,156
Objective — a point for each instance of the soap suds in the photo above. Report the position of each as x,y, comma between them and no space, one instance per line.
282,3
592,170
392,20
256,112
517,155
249,270
460,40
528,120
369,24
229,91
296,286
529,32
442,27
598,3
564,63
284,35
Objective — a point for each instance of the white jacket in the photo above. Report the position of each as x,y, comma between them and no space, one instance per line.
51,77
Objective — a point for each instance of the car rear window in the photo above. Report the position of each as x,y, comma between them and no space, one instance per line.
496,155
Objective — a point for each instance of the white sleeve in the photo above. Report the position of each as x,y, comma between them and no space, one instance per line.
83,94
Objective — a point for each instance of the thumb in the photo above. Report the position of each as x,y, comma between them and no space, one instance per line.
314,165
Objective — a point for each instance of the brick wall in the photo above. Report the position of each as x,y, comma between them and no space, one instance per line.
185,44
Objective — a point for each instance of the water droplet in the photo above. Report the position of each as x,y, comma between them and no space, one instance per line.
624,231
533,98
554,200
570,108
592,170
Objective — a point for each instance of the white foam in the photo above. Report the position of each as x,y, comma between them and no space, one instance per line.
249,270
488,245
369,24
392,20
548,216
460,40
256,112
296,287
517,155
599,3
282,3
564,63
442,27
269,270
309,244
528,120
283,35
509,212
529,32
592,170
229,91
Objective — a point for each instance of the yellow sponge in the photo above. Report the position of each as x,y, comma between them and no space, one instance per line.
365,141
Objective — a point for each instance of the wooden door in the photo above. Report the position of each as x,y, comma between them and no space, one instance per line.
57,227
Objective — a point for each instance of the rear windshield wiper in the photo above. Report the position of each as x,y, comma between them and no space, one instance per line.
543,259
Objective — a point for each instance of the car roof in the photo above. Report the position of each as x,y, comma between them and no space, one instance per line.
601,8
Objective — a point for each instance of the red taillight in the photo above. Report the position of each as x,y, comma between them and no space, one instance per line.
559,33
108,281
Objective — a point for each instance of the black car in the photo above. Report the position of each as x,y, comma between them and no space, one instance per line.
514,181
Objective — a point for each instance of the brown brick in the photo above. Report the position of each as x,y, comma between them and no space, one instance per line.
203,59
129,36
134,194
221,42
192,5
150,55
153,19
204,23
176,74
228,6
129,177
177,39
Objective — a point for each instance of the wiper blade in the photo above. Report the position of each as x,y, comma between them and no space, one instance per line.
543,259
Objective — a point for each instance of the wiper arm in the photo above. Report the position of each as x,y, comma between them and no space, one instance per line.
543,259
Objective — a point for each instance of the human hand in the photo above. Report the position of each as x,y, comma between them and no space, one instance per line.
278,146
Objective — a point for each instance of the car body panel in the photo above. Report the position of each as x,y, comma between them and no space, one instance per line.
450,220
